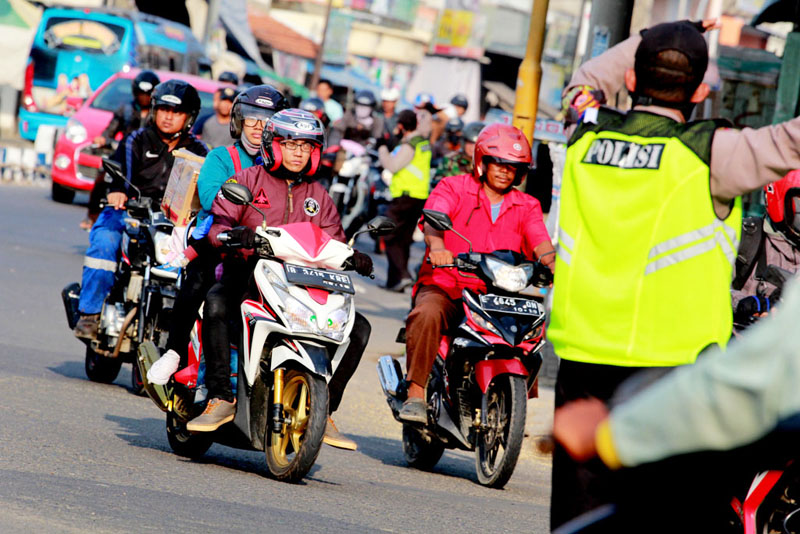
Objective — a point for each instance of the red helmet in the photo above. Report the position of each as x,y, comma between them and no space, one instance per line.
783,203
292,124
502,143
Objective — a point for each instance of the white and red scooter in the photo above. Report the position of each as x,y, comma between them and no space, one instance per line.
294,334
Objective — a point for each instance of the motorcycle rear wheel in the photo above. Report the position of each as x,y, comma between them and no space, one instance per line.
497,449
101,369
291,454
185,443
420,454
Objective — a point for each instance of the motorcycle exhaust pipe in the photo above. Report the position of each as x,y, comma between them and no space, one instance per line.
71,295
389,374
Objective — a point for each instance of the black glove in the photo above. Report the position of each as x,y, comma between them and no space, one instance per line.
542,276
362,263
748,307
243,235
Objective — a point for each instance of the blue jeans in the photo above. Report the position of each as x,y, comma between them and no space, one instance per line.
100,262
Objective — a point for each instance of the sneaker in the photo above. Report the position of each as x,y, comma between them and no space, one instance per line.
414,410
87,326
163,368
217,413
334,438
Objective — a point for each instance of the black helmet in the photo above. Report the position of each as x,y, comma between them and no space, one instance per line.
471,131
292,124
460,101
365,97
314,105
179,96
260,101
228,77
454,125
145,82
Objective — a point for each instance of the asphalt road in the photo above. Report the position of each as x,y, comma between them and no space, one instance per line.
76,456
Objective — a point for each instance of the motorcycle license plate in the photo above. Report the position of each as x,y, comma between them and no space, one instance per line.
509,305
306,276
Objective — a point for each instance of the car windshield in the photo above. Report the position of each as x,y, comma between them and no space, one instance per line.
119,92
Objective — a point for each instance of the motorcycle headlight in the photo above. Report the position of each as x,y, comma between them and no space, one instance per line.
509,277
483,323
299,316
75,132
303,319
534,332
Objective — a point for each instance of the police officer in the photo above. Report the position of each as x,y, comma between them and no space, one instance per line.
649,224
410,165
146,159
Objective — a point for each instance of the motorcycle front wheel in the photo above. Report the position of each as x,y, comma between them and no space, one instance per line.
101,369
498,446
292,452
183,442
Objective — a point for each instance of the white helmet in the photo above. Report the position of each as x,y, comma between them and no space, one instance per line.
390,94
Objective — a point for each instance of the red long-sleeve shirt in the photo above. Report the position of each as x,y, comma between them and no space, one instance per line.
280,202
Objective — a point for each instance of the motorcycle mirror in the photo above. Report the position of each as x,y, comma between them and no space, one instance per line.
237,193
441,222
438,220
114,168
381,225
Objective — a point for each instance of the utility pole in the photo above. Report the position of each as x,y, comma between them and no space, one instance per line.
529,77
212,16
610,24
318,59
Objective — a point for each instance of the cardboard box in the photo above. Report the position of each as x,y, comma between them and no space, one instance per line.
180,202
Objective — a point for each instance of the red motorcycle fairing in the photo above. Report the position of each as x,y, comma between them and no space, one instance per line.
487,370
755,498
444,346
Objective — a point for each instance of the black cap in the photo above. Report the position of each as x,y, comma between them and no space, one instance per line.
227,93
682,36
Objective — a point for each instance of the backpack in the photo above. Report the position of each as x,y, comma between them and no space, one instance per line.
751,252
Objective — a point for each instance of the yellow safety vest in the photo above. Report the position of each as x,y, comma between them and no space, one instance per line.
643,266
414,179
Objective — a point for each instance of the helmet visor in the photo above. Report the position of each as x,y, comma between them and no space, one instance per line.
252,114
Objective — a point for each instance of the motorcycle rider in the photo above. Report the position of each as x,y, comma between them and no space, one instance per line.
770,240
128,117
361,123
485,208
389,98
410,165
251,110
451,141
291,147
333,109
316,106
616,309
455,110
146,159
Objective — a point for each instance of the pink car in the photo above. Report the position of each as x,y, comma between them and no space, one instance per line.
76,163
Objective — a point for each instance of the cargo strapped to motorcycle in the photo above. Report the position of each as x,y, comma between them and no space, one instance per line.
751,252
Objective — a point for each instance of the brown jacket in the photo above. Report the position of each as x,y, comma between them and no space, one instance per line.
280,202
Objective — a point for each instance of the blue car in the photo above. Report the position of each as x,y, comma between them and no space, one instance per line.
75,51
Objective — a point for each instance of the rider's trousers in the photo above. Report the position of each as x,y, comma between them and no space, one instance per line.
100,262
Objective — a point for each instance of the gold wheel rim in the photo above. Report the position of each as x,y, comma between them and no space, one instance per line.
296,404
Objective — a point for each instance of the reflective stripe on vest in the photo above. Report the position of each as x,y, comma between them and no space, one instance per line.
643,264
414,179
704,239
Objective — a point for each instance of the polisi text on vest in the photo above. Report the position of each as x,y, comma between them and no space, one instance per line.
624,154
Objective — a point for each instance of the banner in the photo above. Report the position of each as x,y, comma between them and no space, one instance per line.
460,33
337,37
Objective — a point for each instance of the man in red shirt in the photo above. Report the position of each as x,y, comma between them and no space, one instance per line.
486,208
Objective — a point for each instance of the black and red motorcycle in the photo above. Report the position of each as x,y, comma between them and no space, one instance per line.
485,368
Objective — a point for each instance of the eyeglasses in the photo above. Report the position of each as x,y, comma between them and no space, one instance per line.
253,121
294,145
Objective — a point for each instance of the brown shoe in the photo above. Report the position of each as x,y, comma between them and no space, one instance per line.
217,413
87,326
334,438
